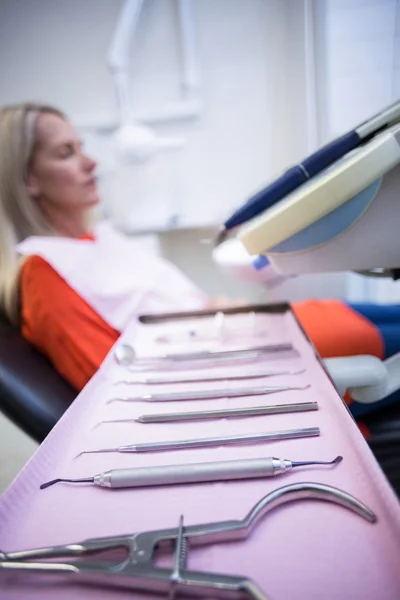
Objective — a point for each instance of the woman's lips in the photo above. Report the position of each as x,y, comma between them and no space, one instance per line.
92,182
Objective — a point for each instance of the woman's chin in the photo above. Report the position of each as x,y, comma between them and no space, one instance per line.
92,200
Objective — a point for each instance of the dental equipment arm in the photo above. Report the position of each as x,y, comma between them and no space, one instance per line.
133,141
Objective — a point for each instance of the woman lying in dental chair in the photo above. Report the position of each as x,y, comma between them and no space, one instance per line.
72,288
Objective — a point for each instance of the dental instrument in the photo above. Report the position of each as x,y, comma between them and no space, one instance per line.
209,394
126,356
209,377
227,470
253,411
246,438
138,571
218,331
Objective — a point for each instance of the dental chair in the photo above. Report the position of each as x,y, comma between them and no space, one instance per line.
338,210
32,393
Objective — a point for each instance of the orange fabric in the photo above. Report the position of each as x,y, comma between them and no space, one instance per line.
61,324
364,430
337,330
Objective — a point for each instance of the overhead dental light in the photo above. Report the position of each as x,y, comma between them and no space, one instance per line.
136,143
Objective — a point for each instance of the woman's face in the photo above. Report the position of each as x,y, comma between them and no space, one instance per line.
61,175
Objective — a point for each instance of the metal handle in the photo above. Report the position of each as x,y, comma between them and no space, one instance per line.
213,394
142,578
221,353
189,473
252,411
247,438
203,378
204,363
223,531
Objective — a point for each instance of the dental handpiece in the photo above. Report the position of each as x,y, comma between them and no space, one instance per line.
251,468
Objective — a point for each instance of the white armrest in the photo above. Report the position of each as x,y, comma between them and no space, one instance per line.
367,378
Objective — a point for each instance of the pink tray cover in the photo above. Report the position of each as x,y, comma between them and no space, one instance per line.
309,549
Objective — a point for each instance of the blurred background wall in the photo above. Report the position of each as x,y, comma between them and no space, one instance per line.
277,79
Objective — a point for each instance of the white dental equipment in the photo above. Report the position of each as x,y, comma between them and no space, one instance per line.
343,216
329,223
317,216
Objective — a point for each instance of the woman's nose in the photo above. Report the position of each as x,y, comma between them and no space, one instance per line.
89,163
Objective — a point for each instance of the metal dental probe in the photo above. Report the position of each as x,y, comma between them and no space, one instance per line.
251,411
200,379
247,438
193,473
125,354
209,394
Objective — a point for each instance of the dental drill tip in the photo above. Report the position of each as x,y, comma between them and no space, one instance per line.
337,460
54,481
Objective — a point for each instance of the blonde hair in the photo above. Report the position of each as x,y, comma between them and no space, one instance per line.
20,216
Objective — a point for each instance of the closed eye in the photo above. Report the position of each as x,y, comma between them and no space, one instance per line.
69,149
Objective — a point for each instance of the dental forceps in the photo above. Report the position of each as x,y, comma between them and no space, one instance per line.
137,571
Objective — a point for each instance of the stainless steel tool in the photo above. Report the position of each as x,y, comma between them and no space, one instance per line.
127,352
209,394
126,356
138,570
251,468
219,329
228,413
205,378
246,438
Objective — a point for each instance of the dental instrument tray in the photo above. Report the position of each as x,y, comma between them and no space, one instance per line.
306,550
